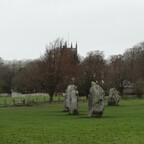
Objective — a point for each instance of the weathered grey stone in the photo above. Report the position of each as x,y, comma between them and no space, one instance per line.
74,101
114,98
71,99
96,100
66,100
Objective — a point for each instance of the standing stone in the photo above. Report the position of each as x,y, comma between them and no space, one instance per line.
114,98
66,100
96,100
71,99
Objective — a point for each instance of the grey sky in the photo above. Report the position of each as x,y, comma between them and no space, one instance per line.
27,26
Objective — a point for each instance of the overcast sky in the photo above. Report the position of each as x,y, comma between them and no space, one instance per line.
111,26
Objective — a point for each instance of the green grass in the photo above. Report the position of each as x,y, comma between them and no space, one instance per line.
43,124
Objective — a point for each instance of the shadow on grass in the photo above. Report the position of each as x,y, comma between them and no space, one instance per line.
88,117
81,115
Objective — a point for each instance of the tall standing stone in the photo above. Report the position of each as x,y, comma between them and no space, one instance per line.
71,99
96,100
67,98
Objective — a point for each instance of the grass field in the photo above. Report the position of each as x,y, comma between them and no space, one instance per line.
46,123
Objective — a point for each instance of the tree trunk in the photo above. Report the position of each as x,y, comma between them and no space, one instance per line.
51,98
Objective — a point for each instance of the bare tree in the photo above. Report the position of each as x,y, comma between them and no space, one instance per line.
57,67
92,69
117,72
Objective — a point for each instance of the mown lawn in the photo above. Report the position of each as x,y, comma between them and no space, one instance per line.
46,123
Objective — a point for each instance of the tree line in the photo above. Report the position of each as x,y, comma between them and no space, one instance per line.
61,65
